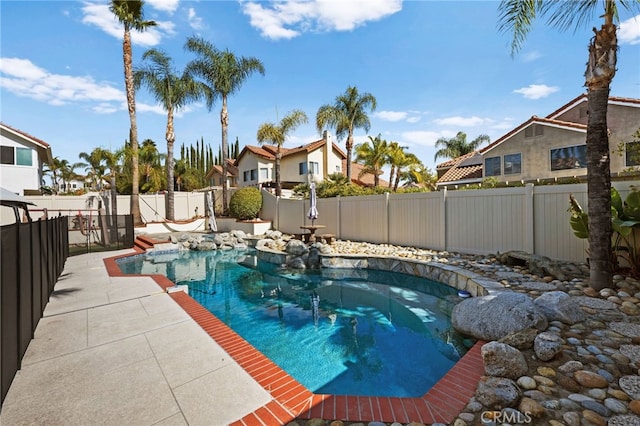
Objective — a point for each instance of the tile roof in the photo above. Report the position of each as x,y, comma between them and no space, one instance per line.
26,135
366,179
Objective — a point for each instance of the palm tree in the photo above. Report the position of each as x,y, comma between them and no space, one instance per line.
223,73
172,92
408,161
395,155
130,14
94,167
151,165
420,175
518,16
373,154
54,170
458,145
349,112
277,133
68,173
112,161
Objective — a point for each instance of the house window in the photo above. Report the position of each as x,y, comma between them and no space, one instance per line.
6,155
302,168
512,164
254,174
338,169
492,166
314,167
245,176
632,151
569,157
24,157
533,130
264,173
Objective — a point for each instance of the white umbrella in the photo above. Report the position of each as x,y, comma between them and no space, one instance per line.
313,209
213,226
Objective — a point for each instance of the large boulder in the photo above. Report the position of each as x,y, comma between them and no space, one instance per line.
497,393
503,361
559,306
296,248
493,317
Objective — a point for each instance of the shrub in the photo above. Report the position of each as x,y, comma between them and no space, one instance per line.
245,203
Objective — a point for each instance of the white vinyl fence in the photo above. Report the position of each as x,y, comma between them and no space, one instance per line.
532,218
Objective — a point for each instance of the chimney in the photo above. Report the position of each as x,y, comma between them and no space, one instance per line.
326,136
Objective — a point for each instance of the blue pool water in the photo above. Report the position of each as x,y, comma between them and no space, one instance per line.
336,331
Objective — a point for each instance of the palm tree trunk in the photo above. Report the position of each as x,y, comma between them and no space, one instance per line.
170,209
278,184
224,121
600,72
133,130
349,146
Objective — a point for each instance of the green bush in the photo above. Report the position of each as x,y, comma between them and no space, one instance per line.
245,203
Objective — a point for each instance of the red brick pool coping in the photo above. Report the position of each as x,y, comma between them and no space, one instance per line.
291,400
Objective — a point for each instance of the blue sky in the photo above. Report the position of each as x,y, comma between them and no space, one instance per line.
435,67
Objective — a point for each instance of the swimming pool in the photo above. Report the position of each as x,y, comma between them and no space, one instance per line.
336,331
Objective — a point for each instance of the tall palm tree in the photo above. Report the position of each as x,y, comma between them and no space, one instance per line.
172,92
517,17
420,175
68,173
349,112
223,73
458,145
373,154
277,133
130,14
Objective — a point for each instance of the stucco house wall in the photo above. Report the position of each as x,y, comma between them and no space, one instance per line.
23,159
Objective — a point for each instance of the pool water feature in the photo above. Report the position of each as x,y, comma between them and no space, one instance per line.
336,331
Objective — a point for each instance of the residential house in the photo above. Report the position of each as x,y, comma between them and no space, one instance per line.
550,148
214,176
316,160
22,157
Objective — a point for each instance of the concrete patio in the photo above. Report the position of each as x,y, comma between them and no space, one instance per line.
119,350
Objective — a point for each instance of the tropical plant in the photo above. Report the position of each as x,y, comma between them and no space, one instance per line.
54,170
131,15
517,16
458,145
348,112
418,174
68,173
625,222
173,92
112,161
373,154
277,133
151,167
223,73
94,168
245,203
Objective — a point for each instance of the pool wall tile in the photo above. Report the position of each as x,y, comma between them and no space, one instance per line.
441,403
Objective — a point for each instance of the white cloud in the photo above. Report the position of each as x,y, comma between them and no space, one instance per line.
629,31
536,91
25,79
289,18
531,56
395,116
458,121
100,16
195,21
169,6
425,137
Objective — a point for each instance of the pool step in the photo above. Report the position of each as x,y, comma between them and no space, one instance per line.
144,242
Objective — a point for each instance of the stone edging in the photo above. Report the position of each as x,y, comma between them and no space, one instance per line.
453,276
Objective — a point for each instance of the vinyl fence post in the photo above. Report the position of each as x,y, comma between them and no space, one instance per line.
529,237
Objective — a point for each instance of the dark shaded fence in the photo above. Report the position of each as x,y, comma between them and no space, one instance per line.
92,231
33,256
